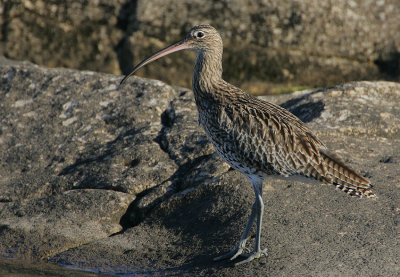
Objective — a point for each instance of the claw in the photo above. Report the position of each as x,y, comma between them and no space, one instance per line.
252,256
231,255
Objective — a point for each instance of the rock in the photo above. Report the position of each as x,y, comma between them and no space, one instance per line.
14,268
302,42
125,182
77,35
310,42
41,227
91,150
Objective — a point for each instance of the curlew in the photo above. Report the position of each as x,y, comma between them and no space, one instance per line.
256,137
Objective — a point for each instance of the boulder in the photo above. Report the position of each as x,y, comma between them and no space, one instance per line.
125,182
312,43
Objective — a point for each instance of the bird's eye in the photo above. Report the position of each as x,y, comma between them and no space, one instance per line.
199,34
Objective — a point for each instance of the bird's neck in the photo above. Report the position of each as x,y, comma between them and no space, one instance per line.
207,71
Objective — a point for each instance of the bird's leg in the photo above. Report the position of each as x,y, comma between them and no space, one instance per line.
234,253
257,253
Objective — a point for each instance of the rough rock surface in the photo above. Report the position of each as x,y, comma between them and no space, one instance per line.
124,181
309,42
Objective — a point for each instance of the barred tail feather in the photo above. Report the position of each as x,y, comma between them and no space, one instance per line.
346,178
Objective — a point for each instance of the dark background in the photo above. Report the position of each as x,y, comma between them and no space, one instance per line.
270,46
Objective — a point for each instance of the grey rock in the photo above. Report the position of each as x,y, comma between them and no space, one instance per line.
307,42
76,35
15,268
60,123
125,182
41,227
310,42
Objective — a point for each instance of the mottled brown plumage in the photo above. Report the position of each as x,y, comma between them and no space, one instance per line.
256,137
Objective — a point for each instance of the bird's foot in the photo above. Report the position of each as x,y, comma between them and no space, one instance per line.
231,255
252,256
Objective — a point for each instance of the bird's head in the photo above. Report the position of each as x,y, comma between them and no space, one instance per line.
201,38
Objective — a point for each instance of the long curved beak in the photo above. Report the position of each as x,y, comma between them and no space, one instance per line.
180,45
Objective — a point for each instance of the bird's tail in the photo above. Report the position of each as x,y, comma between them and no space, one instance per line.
346,178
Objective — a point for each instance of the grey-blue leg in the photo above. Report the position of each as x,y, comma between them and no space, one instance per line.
234,253
257,253
256,211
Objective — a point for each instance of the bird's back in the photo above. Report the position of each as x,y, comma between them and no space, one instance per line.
259,138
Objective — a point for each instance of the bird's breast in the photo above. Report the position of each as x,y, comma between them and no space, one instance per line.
232,138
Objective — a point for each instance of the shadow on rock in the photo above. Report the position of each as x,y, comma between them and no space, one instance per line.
304,109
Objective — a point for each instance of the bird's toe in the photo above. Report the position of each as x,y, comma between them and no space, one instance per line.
232,254
252,256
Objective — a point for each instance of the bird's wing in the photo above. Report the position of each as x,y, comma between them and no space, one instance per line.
292,148
273,137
